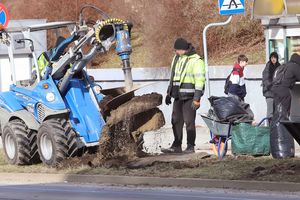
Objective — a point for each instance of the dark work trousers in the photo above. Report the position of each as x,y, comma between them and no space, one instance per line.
183,114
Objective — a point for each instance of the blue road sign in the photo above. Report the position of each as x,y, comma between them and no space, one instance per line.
230,7
3,17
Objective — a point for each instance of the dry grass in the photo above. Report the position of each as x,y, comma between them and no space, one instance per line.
156,25
230,168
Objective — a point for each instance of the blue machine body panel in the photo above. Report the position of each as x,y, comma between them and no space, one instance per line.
80,100
85,115
38,94
9,102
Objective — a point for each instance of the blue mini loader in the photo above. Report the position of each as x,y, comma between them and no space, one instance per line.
57,115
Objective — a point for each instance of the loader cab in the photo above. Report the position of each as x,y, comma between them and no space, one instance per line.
25,42
21,53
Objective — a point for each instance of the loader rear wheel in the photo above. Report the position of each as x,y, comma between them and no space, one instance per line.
56,141
19,143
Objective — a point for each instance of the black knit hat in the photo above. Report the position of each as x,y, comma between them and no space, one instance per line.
295,58
181,44
274,54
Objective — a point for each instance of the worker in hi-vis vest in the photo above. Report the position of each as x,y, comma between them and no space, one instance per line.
186,87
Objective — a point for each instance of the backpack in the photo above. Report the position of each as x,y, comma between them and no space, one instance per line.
228,82
279,74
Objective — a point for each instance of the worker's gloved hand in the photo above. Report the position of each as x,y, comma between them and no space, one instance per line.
195,105
168,100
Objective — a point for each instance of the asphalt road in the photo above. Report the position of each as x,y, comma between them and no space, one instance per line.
99,192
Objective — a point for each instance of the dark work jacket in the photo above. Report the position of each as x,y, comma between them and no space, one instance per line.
267,78
291,76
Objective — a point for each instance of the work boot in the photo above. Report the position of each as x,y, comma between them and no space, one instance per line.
172,149
189,149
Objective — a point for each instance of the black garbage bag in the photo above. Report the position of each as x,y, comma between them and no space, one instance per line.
230,109
281,142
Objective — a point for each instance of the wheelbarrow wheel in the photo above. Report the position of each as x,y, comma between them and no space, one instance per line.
220,149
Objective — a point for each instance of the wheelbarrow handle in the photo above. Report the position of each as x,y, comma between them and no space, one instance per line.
261,121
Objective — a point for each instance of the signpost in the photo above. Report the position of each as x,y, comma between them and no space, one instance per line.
226,7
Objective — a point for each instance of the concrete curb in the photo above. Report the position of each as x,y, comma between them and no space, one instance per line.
150,181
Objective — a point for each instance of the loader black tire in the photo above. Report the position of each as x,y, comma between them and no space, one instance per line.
56,141
19,143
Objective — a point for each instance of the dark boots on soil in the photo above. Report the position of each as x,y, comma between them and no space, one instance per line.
172,149
189,149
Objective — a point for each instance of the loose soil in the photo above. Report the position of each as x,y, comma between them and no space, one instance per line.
122,137
199,165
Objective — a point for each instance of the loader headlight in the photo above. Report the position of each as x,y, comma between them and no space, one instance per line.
50,96
97,89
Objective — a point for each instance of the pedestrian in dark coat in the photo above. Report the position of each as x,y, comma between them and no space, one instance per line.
267,78
291,76
281,141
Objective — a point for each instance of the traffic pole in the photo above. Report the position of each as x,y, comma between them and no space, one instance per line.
207,85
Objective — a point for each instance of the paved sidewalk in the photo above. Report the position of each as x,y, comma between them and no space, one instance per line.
163,138
27,178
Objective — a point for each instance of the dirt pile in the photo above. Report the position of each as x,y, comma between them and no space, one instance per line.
123,133
122,136
276,169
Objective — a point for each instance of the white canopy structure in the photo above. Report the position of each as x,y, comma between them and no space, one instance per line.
281,20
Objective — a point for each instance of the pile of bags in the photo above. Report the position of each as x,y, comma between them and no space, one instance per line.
229,109
246,139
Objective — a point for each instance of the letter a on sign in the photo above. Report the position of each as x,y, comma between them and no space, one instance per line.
229,7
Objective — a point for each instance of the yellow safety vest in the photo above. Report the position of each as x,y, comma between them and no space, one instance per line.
189,76
42,63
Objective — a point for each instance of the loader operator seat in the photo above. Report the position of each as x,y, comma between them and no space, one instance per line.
44,58
57,52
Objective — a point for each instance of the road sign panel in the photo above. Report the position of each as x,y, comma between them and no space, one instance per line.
3,17
229,7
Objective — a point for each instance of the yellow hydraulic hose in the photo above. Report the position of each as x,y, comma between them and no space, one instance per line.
106,22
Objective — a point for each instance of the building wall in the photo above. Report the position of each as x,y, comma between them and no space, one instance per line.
157,80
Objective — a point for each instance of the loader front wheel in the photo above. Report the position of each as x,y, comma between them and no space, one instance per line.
19,143
56,141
